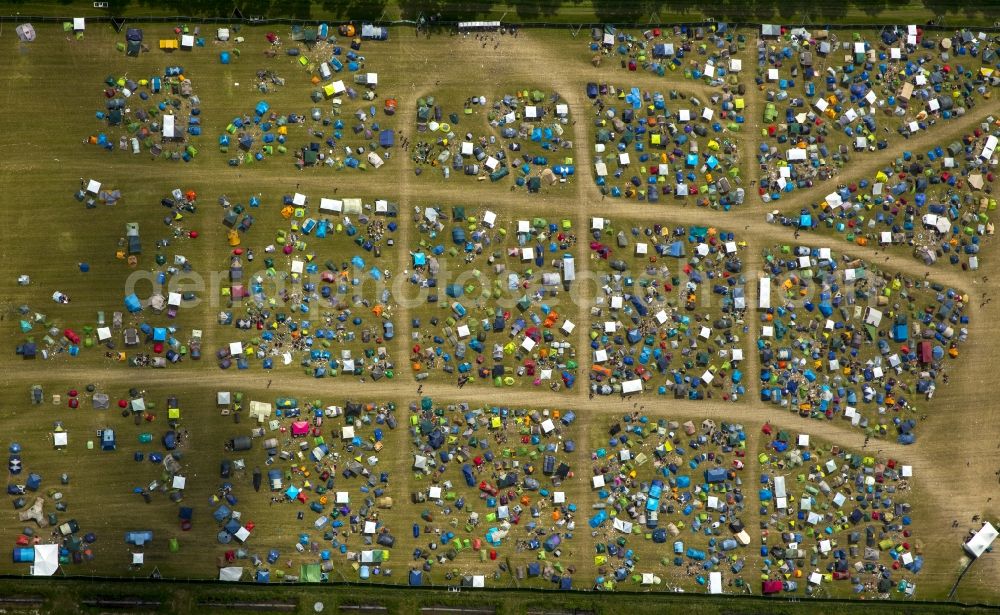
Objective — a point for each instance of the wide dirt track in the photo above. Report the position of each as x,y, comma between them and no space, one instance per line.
50,90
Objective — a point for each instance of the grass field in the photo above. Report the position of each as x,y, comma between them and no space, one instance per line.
51,89
532,11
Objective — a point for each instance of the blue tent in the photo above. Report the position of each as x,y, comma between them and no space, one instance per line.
387,138
24,555
160,334
108,441
132,303
139,537
263,576
416,577
715,475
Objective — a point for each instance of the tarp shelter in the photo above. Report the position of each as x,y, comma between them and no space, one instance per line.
25,32
230,573
981,540
46,560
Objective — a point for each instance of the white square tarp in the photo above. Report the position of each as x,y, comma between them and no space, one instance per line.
46,560
230,573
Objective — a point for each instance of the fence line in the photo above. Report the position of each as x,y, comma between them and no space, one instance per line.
480,591
441,24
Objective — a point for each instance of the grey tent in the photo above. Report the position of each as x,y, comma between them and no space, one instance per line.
25,32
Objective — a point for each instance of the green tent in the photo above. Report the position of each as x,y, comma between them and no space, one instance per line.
174,545
310,573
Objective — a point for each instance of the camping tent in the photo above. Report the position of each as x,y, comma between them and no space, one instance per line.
139,537
310,573
230,573
25,32
981,540
260,410
46,560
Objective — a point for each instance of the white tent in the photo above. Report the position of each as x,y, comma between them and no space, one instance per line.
25,32
46,560
976,546
260,410
230,573
169,131
60,438
632,386
715,582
